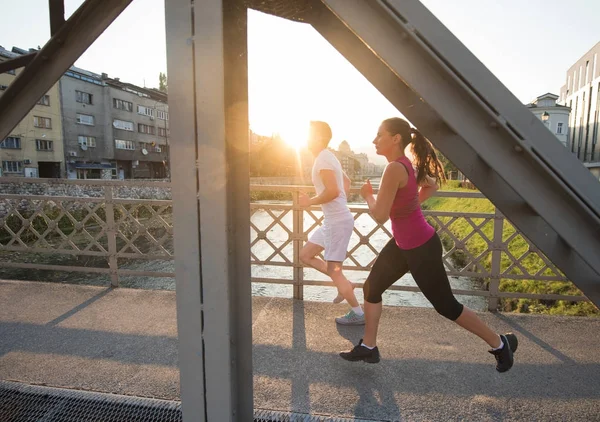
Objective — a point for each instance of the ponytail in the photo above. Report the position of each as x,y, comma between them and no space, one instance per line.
425,158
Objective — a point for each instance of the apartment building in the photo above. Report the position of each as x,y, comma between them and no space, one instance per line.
34,148
554,116
113,129
581,94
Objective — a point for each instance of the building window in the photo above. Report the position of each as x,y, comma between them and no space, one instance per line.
559,128
11,72
146,111
120,144
162,132
44,145
42,122
162,115
85,119
587,73
89,174
153,146
87,141
12,142
83,78
574,126
83,97
150,130
596,123
122,105
123,125
3,87
45,100
12,166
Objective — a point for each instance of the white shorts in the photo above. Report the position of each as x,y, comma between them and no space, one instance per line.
334,237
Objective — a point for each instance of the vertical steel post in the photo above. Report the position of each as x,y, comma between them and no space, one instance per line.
493,300
298,233
235,36
111,235
207,71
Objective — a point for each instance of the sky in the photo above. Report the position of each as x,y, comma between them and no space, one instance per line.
296,76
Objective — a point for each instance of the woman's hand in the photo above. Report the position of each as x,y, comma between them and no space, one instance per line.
366,190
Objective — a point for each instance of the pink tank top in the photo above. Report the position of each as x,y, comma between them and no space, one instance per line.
409,227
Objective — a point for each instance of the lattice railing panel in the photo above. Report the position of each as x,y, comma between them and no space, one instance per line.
52,225
519,254
271,236
112,233
144,229
368,238
467,241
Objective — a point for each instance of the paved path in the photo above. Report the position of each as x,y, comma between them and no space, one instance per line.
125,341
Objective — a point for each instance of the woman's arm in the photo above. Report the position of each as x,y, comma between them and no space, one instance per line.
394,176
427,189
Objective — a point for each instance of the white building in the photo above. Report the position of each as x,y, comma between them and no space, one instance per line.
582,95
554,116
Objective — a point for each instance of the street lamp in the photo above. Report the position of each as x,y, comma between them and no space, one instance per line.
545,117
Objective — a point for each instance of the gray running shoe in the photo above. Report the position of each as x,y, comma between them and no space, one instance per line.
351,318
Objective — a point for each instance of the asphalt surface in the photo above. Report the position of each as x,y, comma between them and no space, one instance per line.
124,341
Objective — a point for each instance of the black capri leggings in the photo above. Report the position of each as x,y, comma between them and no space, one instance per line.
426,266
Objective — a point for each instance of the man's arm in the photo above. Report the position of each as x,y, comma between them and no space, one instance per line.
347,184
331,188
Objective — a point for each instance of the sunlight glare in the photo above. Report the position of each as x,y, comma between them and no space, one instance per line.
294,133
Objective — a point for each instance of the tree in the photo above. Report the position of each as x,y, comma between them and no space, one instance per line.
448,165
162,81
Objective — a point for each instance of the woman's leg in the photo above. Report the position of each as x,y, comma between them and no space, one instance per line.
372,316
428,270
388,268
471,322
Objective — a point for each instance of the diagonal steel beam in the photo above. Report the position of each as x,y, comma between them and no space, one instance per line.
59,53
455,147
17,62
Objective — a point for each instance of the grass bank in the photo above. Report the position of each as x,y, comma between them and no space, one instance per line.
532,263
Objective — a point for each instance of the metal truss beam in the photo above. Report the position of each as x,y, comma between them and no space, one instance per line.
57,15
455,142
208,105
17,62
59,53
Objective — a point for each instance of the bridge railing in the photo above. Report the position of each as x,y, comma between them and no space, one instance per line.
123,228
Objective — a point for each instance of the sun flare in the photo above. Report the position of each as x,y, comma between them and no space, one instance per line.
294,133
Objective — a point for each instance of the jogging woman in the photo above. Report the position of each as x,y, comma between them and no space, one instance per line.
415,245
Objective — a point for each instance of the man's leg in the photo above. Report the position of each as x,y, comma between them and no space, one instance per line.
309,256
344,286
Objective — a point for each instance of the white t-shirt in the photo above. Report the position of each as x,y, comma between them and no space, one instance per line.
327,161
